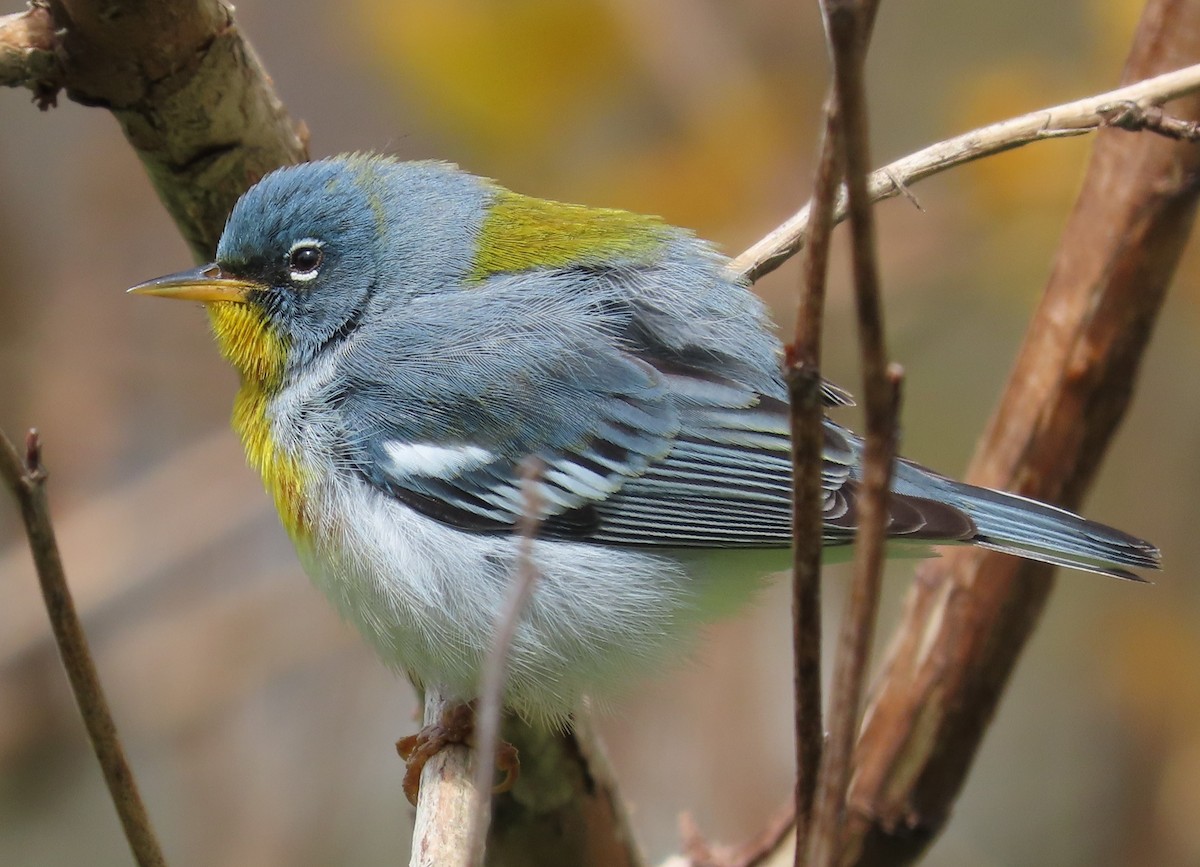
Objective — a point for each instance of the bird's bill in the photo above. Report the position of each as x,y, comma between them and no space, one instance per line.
206,283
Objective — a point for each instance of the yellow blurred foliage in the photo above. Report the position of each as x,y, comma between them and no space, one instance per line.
503,75
1039,176
731,160
1114,22
1154,659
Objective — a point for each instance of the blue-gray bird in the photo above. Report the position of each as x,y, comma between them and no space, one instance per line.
408,333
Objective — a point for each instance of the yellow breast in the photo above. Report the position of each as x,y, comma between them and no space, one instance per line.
259,354
282,472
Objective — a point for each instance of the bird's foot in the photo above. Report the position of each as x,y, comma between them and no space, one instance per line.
456,726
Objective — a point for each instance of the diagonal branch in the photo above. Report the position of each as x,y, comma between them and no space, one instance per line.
26,480
187,88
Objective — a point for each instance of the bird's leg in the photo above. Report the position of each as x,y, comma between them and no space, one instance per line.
456,726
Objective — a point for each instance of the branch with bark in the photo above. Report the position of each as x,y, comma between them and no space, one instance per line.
185,85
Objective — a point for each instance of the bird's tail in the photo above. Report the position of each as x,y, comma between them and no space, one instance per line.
1027,528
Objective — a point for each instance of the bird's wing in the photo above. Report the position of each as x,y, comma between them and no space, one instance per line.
636,450
727,483
440,405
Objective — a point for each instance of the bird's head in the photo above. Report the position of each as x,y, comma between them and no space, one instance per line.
308,249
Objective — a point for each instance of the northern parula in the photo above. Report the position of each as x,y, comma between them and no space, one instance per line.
407,333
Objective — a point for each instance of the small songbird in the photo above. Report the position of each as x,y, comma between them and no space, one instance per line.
408,333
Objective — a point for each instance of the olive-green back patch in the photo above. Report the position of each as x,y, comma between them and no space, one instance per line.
520,233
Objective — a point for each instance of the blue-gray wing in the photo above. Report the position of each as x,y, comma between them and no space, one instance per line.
644,438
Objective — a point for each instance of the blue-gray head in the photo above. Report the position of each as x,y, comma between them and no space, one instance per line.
306,250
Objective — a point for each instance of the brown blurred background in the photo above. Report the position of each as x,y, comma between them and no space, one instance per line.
262,730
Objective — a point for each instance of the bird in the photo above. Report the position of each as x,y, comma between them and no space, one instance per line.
407,334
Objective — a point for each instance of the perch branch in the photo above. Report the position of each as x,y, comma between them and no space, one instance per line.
442,829
26,480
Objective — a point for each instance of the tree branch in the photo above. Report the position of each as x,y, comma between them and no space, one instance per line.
445,807
806,415
806,425
28,53
26,481
188,90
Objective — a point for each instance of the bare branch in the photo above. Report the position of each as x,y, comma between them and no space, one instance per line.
1132,117
806,414
846,23
806,417
1073,118
776,840
26,480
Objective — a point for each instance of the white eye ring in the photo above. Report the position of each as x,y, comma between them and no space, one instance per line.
304,259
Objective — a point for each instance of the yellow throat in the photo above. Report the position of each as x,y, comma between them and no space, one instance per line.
258,352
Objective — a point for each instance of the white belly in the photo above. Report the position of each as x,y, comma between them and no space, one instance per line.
426,597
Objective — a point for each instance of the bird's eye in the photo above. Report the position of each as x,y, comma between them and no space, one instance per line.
304,259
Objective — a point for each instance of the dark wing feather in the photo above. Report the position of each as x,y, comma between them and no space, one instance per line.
727,483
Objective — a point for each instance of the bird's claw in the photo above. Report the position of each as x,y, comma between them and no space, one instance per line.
456,726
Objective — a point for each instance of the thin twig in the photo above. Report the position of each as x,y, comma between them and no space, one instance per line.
26,479
765,846
844,23
806,418
491,696
808,440
1069,119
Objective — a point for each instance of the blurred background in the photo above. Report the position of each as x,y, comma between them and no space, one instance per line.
262,730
